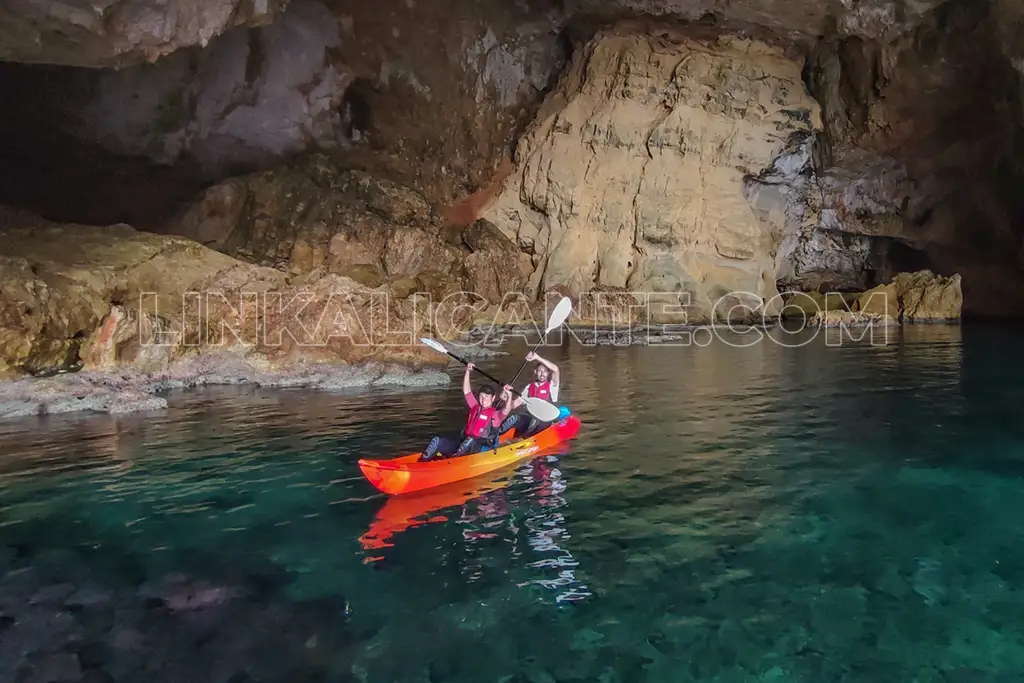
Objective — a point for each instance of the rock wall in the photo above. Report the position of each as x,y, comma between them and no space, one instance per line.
633,176
312,217
118,32
92,298
435,114
922,146
805,145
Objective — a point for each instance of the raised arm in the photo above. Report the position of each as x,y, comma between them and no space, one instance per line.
467,387
549,365
508,403
514,401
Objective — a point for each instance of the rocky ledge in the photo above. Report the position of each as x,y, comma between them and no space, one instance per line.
921,297
611,316
103,318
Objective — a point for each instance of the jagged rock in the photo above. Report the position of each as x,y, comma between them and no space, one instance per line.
437,112
800,304
843,318
405,287
800,20
898,166
632,176
311,215
916,297
119,32
100,297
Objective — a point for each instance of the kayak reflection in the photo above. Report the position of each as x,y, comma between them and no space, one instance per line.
528,517
405,512
543,528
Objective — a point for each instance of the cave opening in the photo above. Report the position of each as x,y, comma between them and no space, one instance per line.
53,173
356,102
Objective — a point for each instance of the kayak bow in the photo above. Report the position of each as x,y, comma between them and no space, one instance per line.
406,474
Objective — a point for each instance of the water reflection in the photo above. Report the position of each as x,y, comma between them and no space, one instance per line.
546,529
734,508
519,508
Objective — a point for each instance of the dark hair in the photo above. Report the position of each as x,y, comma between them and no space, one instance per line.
487,389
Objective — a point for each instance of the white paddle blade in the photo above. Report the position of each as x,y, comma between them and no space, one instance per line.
434,345
560,314
541,409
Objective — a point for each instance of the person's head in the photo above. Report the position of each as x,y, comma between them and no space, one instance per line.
485,396
541,372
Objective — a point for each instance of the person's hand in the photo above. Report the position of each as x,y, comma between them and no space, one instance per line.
508,389
531,356
469,367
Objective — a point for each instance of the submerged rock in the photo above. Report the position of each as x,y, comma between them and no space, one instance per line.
130,390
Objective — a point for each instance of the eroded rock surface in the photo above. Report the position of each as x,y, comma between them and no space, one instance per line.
799,21
118,32
831,147
633,175
312,217
103,298
921,148
435,113
919,297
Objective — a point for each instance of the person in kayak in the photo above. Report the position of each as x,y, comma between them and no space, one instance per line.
545,385
486,412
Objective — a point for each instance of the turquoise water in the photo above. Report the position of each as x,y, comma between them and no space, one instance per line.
813,514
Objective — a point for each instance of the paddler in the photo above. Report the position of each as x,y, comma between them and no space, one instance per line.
545,385
485,414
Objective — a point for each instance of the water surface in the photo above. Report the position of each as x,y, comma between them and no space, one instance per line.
814,513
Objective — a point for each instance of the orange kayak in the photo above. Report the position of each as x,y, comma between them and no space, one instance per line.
406,474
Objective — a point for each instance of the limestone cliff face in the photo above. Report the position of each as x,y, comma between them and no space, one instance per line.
118,32
633,176
834,145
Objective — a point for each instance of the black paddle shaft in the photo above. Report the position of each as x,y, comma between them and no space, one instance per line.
482,372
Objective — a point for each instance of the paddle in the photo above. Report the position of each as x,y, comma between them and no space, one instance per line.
557,317
538,407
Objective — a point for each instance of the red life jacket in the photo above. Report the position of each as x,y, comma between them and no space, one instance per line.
540,390
480,421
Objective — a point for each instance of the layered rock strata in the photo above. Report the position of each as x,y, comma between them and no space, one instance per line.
639,171
921,297
314,218
107,299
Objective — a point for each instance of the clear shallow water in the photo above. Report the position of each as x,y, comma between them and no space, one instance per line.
805,514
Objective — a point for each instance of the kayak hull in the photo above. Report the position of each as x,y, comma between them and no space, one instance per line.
406,474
